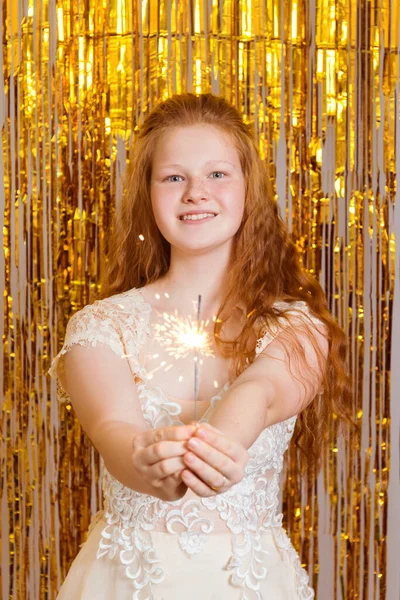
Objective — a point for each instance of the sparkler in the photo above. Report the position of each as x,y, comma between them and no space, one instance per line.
196,364
181,336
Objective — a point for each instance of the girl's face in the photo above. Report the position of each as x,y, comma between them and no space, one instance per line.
197,169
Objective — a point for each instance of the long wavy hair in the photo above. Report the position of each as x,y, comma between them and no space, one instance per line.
266,267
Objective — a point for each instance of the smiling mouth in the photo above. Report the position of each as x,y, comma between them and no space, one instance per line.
196,218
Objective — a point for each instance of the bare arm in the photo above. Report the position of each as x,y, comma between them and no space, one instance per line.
272,389
105,399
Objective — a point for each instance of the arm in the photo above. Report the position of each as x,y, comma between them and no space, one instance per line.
105,399
275,387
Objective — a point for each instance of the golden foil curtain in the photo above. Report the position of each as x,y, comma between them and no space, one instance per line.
320,82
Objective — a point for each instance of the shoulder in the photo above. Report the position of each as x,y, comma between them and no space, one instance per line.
297,308
125,304
114,315
118,322
292,306
296,315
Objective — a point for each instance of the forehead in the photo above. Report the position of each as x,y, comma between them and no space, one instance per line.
195,143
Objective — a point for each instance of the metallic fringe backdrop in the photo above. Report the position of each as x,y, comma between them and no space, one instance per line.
319,80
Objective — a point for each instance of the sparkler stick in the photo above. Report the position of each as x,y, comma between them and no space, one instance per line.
196,363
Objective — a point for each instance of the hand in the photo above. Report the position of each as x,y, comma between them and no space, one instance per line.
158,458
210,457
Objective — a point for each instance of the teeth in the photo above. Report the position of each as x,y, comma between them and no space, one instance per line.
196,217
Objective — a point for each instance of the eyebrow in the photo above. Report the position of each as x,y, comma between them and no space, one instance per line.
209,162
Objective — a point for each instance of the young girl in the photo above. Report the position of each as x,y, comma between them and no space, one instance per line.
191,508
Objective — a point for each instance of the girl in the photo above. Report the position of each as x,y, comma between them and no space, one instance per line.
191,508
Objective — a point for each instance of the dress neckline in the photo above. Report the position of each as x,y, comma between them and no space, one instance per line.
149,310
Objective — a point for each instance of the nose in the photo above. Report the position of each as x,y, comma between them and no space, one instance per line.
196,191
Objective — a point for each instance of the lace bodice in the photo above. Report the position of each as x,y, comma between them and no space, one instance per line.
245,511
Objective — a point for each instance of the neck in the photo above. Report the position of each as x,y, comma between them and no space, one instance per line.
190,276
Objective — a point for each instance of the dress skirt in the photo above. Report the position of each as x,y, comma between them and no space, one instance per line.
200,576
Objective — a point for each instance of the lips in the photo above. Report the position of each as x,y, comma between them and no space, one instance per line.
189,214
197,220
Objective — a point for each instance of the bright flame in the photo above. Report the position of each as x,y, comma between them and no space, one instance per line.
182,336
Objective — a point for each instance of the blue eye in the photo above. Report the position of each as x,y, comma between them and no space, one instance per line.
169,177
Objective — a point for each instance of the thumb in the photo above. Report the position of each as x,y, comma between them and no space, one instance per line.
210,428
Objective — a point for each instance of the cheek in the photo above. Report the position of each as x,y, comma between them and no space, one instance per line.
158,201
163,206
157,212
234,198
162,196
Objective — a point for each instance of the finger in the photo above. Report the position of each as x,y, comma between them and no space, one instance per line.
198,424
210,427
210,476
211,455
171,433
219,442
162,451
175,433
167,467
199,487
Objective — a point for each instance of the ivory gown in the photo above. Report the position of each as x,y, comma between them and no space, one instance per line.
228,547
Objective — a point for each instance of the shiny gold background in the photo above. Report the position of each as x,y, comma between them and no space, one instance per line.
320,82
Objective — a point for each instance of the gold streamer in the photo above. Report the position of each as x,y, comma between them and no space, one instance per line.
320,83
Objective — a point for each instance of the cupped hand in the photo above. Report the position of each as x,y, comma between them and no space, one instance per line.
210,457
157,455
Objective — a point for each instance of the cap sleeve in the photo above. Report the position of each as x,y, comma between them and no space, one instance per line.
90,326
298,313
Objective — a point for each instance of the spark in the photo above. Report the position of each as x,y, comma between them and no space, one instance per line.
181,336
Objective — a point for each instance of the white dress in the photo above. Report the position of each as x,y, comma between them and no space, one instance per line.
228,547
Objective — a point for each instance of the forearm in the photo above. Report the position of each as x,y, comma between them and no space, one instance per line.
114,442
241,412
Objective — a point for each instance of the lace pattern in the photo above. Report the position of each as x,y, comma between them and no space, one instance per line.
248,509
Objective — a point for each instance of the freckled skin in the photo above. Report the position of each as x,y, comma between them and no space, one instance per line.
197,184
